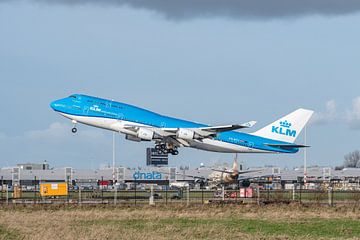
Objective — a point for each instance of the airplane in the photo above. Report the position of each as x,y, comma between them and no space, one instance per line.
227,176
217,177
170,133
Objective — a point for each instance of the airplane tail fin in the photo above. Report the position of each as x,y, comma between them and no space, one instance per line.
288,128
235,167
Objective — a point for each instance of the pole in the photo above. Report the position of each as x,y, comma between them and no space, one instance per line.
330,197
7,194
135,191
151,199
79,195
115,195
202,193
35,189
188,195
113,169
293,193
113,158
102,192
2,186
223,192
305,156
166,193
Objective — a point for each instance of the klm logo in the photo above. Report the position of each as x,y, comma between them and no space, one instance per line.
95,108
284,129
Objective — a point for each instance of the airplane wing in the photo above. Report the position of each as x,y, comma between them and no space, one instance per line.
182,137
171,134
232,172
205,132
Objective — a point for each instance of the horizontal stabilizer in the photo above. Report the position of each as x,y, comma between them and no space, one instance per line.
287,146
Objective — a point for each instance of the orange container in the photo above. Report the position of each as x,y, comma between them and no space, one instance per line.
53,189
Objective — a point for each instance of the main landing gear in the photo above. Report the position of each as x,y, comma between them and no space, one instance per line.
74,129
166,149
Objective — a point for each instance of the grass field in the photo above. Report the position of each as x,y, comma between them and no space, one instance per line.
179,222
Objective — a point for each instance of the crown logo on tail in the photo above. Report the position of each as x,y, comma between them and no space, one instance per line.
285,124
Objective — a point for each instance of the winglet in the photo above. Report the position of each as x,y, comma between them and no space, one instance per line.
249,124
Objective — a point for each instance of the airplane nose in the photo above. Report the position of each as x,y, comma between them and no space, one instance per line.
53,105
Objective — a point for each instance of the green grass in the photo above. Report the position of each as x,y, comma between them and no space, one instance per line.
9,234
314,228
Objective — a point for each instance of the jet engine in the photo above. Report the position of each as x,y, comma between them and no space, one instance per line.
187,134
145,134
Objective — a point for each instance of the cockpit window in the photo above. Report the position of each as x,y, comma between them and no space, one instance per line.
72,96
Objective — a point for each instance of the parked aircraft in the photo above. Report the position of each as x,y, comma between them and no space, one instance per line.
219,176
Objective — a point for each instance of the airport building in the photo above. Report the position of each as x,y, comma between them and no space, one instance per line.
275,178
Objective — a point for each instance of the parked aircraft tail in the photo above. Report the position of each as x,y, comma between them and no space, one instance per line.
288,128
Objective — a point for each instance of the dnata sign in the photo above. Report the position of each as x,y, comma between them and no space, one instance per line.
284,129
147,175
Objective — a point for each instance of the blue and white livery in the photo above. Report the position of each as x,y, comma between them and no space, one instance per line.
170,133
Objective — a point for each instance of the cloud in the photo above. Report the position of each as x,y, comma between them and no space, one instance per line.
58,145
349,117
329,115
353,115
238,9
55,130
61,131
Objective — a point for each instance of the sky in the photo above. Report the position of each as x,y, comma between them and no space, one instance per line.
215,62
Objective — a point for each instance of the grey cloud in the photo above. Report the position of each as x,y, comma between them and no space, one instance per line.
240,9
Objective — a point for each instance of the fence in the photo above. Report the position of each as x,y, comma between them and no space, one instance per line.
183,196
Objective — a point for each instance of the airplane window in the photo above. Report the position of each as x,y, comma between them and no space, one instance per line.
116,106
72,96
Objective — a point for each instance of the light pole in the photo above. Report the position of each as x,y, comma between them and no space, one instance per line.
113,158
305,157
113,170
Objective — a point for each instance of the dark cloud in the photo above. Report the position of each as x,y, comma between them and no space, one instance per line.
241,9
